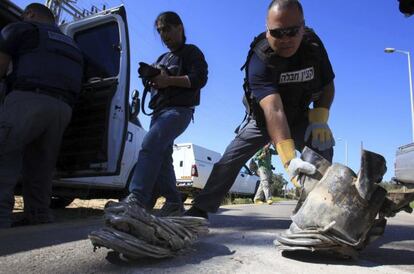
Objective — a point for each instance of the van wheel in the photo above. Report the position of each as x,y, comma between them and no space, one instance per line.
58,202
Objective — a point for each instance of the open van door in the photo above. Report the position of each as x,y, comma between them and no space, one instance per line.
183,159
245,182
94,141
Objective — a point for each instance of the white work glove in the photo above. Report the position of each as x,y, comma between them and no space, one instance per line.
297,166
292,164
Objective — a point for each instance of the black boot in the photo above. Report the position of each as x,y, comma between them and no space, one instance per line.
131,200
196,212
171,210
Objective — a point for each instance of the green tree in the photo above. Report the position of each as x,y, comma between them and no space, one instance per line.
277,185
389,185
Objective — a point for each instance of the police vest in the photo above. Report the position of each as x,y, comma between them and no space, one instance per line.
55,65
174,64
297,78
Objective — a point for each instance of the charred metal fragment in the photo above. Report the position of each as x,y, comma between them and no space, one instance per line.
338,211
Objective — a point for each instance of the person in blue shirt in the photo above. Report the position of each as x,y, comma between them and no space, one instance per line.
287,70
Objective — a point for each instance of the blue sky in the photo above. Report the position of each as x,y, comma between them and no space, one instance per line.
372,102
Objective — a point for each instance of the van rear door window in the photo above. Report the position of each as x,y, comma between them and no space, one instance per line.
101,48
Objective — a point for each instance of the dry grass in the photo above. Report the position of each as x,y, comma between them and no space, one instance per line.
78,209
237,201
79,203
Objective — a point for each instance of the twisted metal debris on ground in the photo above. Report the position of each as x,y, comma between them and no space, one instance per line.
339,211
131,231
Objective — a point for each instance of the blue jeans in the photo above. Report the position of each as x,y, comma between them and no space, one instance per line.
154,171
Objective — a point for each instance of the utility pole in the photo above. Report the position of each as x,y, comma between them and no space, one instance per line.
392,50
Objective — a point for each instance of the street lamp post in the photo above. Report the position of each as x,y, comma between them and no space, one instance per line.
392,50
346,149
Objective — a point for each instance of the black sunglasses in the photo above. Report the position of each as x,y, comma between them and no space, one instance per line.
280,32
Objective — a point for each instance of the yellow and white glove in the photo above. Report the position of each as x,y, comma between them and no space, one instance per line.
322,138
292,164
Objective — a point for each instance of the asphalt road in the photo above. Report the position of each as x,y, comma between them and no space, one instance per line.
240,241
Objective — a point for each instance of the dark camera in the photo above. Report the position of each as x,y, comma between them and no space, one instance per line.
146,71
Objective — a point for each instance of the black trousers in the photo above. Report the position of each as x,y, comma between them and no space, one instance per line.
247,142
31,129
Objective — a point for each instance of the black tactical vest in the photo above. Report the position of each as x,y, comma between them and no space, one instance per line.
54,65
297,78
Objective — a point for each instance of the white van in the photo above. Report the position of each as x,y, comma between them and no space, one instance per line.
193,165
404,164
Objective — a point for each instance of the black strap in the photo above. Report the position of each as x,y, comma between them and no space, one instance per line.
147,86
253,44
246,89
144,96
238,127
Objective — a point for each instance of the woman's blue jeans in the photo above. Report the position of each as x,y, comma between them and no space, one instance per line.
154,172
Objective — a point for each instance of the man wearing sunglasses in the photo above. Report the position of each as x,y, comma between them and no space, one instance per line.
287,69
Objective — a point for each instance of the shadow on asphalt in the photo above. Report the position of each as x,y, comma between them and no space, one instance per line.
395,233
373,255
68,214
249,223
204,251
390,256
385,257
393,248
25,238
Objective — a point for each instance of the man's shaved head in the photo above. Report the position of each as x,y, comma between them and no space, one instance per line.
39,11
285,4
